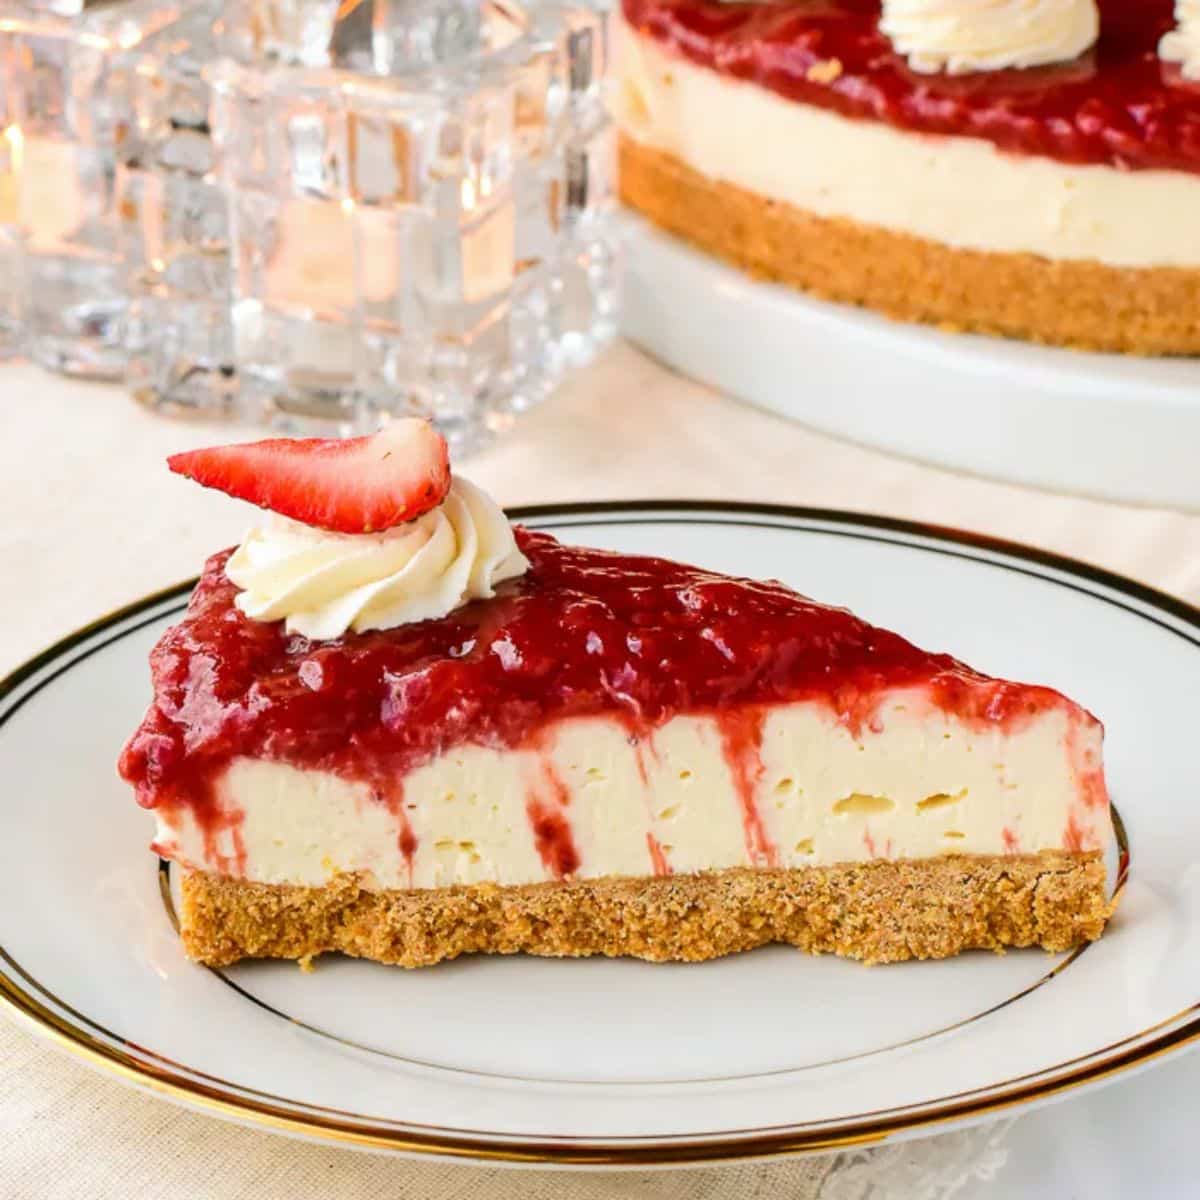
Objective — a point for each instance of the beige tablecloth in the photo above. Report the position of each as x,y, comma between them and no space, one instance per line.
91,519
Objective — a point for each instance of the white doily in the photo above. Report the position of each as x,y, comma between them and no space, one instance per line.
932,1169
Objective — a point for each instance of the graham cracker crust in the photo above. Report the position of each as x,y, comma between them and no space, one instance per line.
1086,305
881,911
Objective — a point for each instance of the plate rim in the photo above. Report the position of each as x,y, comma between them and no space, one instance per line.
1170,1035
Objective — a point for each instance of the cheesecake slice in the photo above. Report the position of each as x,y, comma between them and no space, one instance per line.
592,753
1025,170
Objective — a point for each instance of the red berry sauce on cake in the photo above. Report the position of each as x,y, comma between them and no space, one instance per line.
583,633
1119,104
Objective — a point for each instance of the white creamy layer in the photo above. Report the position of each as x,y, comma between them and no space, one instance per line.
960,36
925,784
324,583
1182,44
960,191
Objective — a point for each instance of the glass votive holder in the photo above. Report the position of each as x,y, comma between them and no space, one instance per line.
67,105
11,336
174,227
434,240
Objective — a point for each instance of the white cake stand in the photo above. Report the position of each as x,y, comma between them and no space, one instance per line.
1118,427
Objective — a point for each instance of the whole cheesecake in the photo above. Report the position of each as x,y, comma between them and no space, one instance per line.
807,142
450,736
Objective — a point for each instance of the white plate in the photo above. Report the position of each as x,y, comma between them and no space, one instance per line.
1110,425
621,1062
1091,1148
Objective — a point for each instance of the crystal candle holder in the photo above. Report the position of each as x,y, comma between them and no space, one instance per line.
174,227
419,209
67,105
10,241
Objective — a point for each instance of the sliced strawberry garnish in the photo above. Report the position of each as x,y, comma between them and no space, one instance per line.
351,485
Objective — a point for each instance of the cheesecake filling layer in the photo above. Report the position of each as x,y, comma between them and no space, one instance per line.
601,715
960,191
785,787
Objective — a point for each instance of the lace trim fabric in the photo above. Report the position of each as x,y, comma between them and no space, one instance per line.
934,1168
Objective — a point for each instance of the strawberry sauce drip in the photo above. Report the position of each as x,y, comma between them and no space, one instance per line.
1118,104
546,807
219,822
1012,844
1089,773
643,742
658,860
1073,838
390,793
556,785
741,741
640,745
872,846
1093,790
584,633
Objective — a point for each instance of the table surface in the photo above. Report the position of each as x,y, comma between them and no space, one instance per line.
93,520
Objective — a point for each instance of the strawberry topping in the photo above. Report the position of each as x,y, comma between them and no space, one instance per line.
350,485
